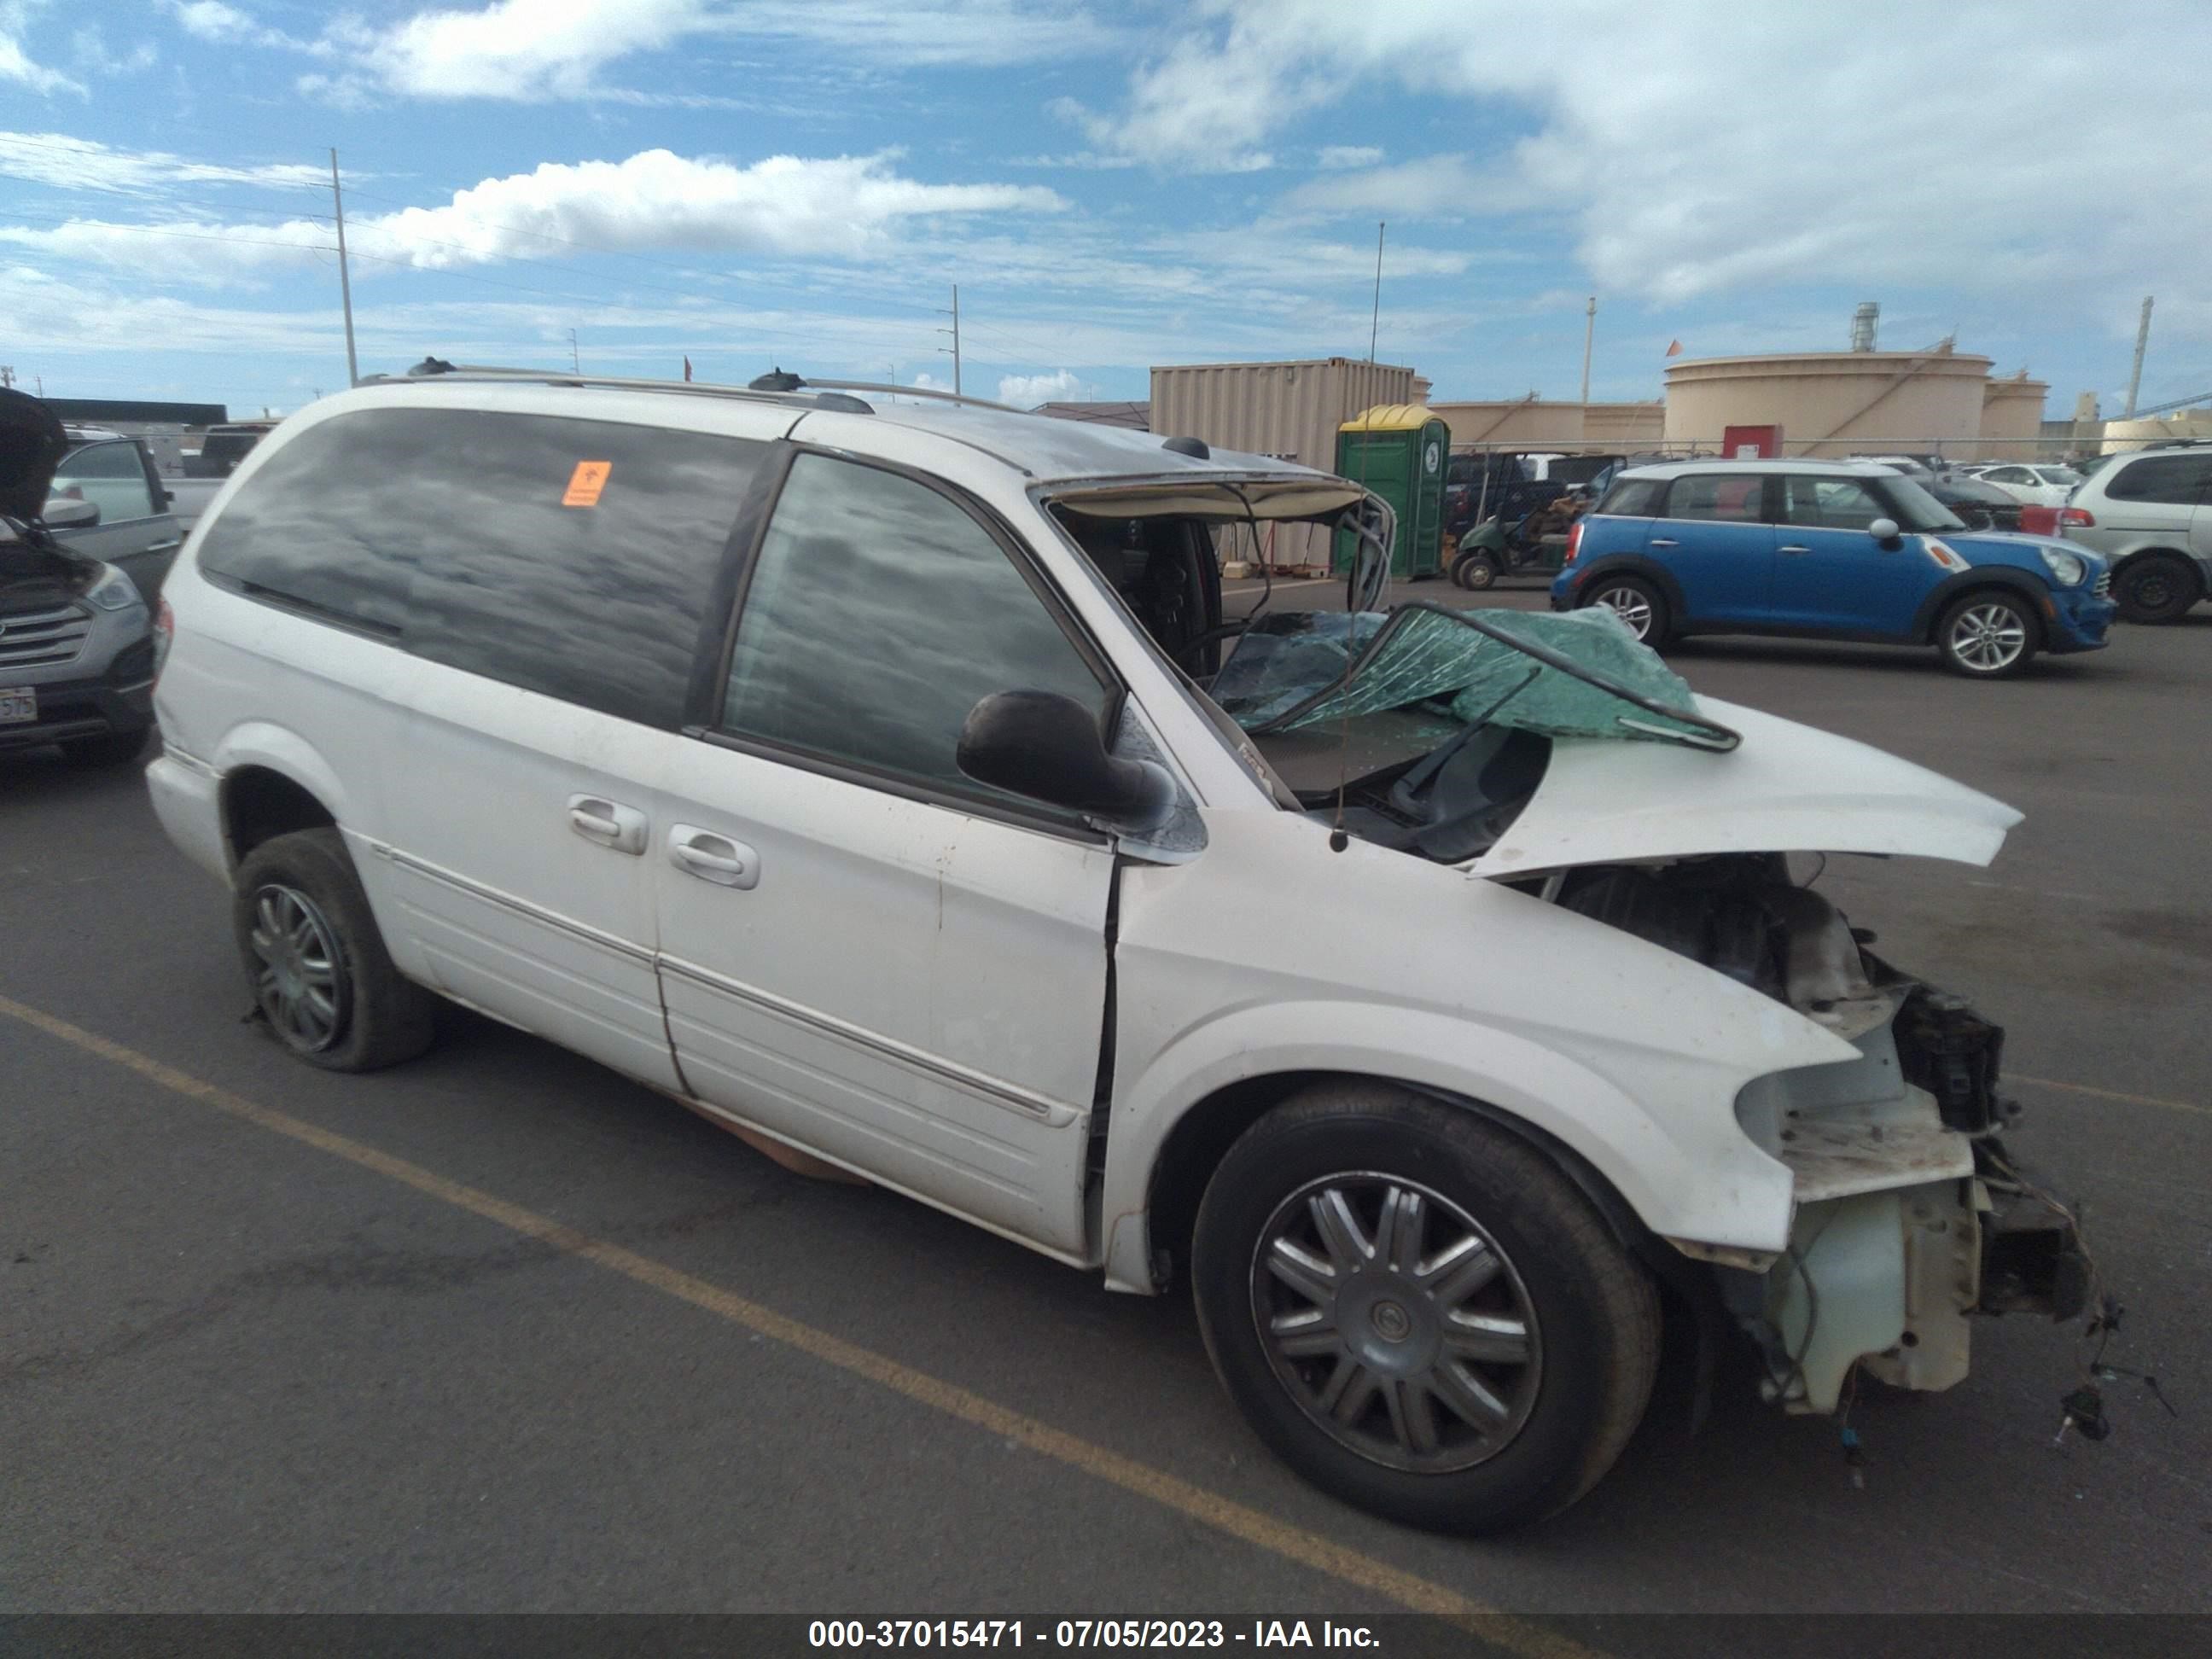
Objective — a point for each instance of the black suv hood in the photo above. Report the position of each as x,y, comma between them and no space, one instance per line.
32,445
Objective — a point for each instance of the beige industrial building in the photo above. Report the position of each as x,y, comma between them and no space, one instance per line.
1531,423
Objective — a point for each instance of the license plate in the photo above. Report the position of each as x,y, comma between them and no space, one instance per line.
18,704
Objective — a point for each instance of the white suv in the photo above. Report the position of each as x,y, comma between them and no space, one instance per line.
850,774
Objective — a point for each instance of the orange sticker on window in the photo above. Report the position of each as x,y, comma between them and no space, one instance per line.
586,482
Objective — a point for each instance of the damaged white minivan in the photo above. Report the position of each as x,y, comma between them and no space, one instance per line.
1432,991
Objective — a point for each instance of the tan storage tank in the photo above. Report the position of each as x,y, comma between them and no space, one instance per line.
2012,418
1288,410
1833,403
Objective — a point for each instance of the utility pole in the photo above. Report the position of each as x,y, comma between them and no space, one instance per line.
345,280
955,333
575,358
1589,334
7,377
2135,375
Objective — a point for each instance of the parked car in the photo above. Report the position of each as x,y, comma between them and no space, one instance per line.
1828,550
76,650
130,527
1978,506
2149,512
222,447
828,765
2042,486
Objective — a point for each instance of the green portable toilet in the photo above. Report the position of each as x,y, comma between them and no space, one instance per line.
1398,451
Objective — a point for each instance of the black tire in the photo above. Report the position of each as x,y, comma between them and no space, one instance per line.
1638,603
1476,571
111,748
376,1018
1589,1311
1989,635
2158,587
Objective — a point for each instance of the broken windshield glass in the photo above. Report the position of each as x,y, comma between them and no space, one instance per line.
1580,674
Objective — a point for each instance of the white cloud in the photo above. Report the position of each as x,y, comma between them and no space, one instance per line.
533,50
15,63
70,163
1061,386
843,207
1335,157
88,48
1438,186
211,20
1707,150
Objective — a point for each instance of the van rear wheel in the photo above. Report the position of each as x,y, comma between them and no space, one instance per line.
1417,1312
322,980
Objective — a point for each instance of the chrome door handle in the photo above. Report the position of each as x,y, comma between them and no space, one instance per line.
1660,541
710,857
1793,549
164,547
608,824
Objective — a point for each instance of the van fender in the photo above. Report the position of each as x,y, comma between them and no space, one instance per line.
1700,1178
264,743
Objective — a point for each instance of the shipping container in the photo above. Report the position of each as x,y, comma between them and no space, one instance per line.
1290,411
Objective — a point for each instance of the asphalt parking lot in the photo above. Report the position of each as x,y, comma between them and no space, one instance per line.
500,1331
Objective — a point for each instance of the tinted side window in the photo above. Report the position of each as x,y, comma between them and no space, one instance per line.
2180,479
1634,498
565,556
879,613
570,557
1734,496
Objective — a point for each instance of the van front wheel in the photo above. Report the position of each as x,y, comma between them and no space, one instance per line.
1417,1312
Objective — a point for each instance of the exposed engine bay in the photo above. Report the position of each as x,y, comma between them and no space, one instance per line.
1912,1214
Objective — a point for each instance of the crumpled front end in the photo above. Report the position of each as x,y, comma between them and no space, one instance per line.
1911,1215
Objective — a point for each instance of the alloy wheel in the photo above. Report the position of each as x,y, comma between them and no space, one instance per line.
1631,606
300,982
1395,1322
1988,638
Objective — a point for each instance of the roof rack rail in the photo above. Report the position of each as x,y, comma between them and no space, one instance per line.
778,380
434,368
776,387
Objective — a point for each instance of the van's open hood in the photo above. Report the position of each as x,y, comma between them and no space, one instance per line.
1787,788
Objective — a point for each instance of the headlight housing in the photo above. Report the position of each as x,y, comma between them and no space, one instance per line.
2067,569
115,590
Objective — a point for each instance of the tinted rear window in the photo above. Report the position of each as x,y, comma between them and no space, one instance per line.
566,557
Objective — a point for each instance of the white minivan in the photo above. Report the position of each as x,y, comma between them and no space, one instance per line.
1432,991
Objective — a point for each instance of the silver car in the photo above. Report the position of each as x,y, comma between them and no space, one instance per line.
2150,514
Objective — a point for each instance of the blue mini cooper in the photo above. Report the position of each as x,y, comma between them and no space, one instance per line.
1828,550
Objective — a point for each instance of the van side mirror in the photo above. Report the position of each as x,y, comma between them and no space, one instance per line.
69,513
1883,531
1046,746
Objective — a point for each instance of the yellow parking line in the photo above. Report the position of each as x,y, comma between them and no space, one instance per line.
2110,1094
1210,1509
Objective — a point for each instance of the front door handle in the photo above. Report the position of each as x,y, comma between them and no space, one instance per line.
710,857
608,824
1793,549
1662,541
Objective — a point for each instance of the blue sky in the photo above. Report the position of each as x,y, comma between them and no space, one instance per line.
1112,185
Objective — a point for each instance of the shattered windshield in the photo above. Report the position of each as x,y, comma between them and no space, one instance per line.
1581,674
